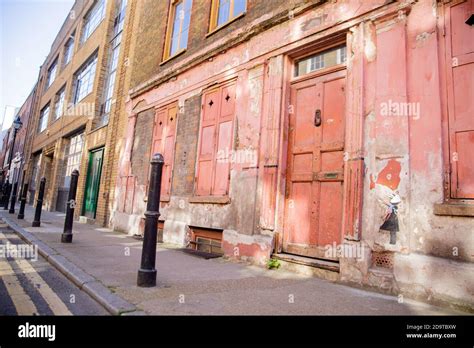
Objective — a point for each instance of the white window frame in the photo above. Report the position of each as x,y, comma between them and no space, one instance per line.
44,118
114,54
84,79
52,72
59,103
73,157
69,49
92,19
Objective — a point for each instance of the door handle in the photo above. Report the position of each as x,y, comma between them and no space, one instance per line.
317,118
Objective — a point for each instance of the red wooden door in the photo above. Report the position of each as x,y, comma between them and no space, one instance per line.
314,186
163,142
460,82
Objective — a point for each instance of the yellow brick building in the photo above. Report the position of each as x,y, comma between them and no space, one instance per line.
77,122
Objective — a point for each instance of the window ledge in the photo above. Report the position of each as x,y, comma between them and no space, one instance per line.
98,128
82,40
80,100
454,209
210,199
216,29
173,56
54,121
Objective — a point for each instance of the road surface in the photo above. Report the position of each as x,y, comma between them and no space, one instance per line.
29,285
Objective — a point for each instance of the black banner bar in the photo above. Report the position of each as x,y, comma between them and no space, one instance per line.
430,331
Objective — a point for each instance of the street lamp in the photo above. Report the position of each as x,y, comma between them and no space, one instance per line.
17,124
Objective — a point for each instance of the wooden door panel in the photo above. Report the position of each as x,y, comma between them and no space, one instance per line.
463,84
216,142
333,112
314,196
303,125
168,157
224,146
205,178
460,86
168,152
227,102
207,142
462,41
330,213
164,131
300,230
332,161
465,167
211,108
159,126
302,163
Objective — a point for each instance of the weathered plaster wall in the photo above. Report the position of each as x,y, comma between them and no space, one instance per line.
149,49
404,157
393,59
259,68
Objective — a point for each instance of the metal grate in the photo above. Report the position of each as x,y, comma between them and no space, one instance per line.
383,259
208,245
206,240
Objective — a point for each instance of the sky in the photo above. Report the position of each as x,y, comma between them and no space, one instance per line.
27,30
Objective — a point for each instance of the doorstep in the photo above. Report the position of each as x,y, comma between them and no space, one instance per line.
328,270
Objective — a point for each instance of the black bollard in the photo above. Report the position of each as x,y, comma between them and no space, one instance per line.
39,204
147,272
6,199
2,193
21,213
13,201
66,237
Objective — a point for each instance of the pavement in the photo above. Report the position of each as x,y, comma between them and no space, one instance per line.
104,264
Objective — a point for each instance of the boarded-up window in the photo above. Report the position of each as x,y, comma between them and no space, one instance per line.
164,132
215,145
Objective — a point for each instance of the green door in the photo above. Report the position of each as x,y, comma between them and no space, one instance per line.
94,172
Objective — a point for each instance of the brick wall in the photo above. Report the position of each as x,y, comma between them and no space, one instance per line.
150,46
142,145
59,130
118,117
186,147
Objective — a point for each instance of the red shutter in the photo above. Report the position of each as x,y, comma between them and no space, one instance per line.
210,114
460,54
168,151
164,131
212,177
224,142
159,125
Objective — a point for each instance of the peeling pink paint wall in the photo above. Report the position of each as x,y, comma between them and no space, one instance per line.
393,143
